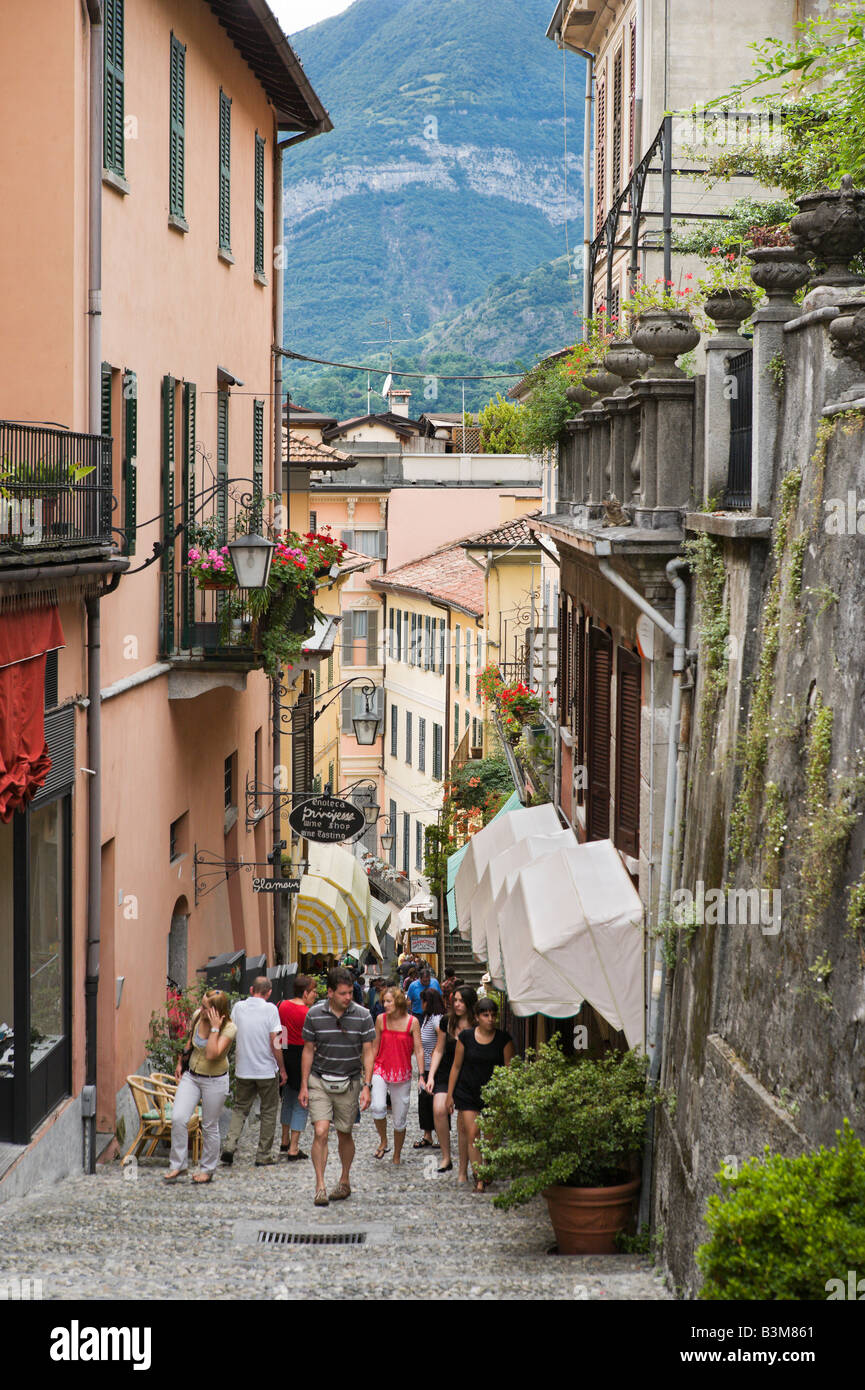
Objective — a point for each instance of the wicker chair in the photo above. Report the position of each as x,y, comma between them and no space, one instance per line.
154,1100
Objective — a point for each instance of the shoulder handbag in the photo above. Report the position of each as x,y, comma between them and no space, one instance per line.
187,1051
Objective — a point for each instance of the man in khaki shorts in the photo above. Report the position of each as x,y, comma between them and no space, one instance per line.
336,1075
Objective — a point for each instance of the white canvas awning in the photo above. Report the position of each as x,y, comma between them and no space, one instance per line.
571,928
501,833
484,908
336,866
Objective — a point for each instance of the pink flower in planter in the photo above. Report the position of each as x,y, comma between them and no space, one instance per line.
193,553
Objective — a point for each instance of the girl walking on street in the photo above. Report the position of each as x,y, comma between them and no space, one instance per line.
460,1015
206,1081
397,1038
433,1009
479,1051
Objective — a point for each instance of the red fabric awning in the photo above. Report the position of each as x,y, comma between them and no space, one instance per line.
24,762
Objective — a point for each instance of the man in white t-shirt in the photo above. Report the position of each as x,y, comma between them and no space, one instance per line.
258,1069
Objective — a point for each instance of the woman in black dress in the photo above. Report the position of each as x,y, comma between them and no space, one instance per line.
460,1016
479,1051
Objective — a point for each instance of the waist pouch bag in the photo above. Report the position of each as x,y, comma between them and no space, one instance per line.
335,1085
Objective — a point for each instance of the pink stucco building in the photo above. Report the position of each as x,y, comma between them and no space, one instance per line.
141,302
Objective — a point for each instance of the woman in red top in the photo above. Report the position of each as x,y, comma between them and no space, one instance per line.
292,1012
398,1036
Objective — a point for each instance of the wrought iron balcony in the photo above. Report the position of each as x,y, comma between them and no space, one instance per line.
55,490
206,625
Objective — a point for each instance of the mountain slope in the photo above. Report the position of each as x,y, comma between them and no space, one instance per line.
489,335
444,171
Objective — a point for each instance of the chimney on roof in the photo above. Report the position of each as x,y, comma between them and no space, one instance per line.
399,397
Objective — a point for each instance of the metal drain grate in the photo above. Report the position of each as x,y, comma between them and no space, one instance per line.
269,1233
312,1237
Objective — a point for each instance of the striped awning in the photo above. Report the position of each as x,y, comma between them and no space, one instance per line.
340,869
322,918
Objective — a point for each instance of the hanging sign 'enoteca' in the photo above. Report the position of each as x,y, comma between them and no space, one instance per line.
326,819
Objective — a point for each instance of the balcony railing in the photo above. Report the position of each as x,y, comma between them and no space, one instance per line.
197,623
55,489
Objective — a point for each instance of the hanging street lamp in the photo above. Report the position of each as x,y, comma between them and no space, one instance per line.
251,557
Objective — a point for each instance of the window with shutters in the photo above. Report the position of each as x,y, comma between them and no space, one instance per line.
428,663
130,458
408,732
456,725
478,666
438,742
418,845
372,653
371,543
398,656
618,115
224,172
313,521
190,511
600,154
564,688
412,654
442,646
259,205
632,96
406,841
598,734
177,134
629,692
353,705
421,745
394,731
468,685
360,638
113,154
302,757
457,633
391,639
392,829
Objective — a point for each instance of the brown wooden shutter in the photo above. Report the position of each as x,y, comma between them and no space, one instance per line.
598,734
561,665
600,154
578,726
302,747
630,673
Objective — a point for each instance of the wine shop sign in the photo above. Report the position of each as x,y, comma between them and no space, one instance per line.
326,819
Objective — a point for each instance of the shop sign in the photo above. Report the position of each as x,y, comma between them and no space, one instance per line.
423,945
275,885
326,819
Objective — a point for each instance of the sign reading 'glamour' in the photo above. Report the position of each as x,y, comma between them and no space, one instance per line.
326,819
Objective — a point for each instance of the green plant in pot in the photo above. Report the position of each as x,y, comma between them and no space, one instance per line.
570,1129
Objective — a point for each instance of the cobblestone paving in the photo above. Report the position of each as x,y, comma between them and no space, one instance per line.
112,1236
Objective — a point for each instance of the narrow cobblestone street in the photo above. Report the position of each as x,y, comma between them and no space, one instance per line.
113,1237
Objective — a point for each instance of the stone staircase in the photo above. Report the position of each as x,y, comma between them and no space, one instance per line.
458,953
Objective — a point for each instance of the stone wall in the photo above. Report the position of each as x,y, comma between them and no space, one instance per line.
765,1027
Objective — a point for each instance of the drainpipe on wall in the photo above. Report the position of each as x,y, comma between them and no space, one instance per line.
94,709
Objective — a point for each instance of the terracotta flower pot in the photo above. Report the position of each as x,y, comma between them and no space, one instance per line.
586,1220
215,583
665,334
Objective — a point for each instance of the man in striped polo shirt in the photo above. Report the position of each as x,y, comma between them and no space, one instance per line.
336,1075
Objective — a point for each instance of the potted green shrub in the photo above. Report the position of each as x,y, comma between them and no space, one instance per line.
788,1228
570,1129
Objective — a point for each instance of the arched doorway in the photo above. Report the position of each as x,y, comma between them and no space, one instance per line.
178,945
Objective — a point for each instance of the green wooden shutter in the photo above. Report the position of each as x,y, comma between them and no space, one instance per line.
112,127
222,463
259,204
372,639
167,559
224,171
177,137
257,464
189,414
105,401
130,454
